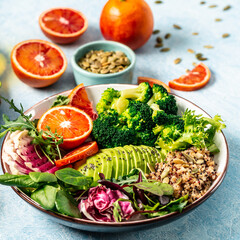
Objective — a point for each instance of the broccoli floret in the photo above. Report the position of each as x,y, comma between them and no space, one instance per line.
158,92
168,104
146,137
142,93
109,96
109,131
138,116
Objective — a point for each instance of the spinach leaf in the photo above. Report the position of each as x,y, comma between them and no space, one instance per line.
18,181
44,177
73,177
45,196
66,204
156,188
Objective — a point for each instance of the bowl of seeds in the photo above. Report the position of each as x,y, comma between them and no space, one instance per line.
102,62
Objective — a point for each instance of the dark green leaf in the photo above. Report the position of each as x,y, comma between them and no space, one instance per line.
66,204
18,181
73,177
45,196
60,101
42,177
156,188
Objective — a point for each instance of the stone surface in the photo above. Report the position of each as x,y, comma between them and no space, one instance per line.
219,216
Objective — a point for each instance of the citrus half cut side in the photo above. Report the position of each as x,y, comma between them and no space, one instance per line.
63,25
73,124
193,80
38,63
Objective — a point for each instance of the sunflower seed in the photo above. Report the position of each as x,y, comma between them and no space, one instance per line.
158,2
177,60
159,40
208,46
190,50
227,7
158,45
194,33
165,50
202,2
218,19
212,6
225,35
167,36
176,26
156,31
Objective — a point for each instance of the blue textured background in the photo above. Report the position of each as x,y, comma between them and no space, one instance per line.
219,216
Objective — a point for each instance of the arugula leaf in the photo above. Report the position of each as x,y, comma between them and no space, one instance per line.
61,101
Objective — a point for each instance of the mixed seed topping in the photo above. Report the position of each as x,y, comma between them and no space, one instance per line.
104,62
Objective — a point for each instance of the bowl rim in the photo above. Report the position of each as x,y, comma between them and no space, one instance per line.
128,50
86,222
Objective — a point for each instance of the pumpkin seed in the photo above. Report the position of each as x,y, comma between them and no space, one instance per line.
177,60
212,6
156,31
157,2
167,36
226,8
159,40
176,26
208,46
194,33
200,57
190,50
188,157
150,167
187,70
165,50
200,161
158,45
166,180
202,2
194,64
195,170
164,173
179,181
218,19
98,61
178,161
225,35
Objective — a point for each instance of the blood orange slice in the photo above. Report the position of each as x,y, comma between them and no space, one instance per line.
193,80
63,25
152,81
81,153
79,98
73,124
38,63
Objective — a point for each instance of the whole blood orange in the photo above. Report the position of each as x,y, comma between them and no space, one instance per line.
193,80
63,25
127,21
73,124
38,63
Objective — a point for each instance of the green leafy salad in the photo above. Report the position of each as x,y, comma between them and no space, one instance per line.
136,131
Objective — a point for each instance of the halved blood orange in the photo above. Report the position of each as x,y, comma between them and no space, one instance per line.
81,153
79,99
152,81
38,63
193,80
63,25
73,124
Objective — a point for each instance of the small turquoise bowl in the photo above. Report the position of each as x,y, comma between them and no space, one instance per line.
88,78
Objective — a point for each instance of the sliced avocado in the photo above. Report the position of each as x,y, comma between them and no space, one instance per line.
108,163
88,168
143,158
130,154
136,163
127,160
154,154
99,165
123,159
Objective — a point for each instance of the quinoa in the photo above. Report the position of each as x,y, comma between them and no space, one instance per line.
191,172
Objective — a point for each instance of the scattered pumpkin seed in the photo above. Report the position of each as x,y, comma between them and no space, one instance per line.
190,50
208,46
156,31
194,64
226,8
218,19
159,40
202,2
188,157
98,61
195,33
158,2
225,35
212,6
177,60
158,45
195,170
200,57
187,70
165,50
178,161
176,26
200,161
164,173
167,36
166,180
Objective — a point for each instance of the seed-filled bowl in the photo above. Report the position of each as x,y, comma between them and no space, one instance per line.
103,62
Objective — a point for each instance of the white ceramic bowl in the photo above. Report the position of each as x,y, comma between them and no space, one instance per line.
94,93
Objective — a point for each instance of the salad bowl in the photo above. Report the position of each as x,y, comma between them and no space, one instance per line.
94,93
